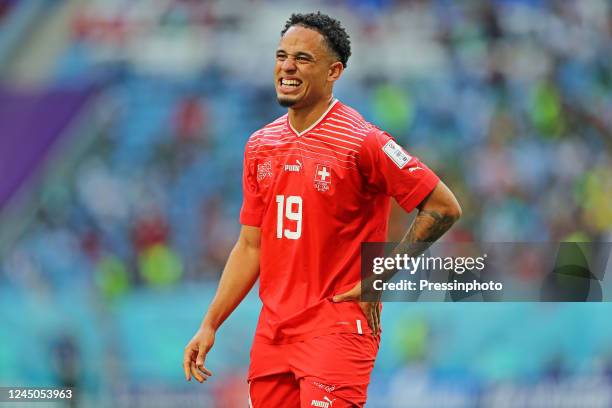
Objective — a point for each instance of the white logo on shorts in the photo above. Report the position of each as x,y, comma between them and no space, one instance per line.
328,403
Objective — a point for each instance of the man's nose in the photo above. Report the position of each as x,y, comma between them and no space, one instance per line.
288,64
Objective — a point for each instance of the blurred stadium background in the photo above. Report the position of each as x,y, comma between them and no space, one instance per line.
122,126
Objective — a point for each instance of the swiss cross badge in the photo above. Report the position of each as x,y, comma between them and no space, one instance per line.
323,177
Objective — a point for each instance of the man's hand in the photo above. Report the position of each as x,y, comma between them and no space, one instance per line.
370,309
195,354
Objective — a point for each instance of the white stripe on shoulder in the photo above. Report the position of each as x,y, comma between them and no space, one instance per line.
359,138
269,144
353,113
347,155
349,130
350,119
267,135
273,128
333,144
333,138
281,119
334,118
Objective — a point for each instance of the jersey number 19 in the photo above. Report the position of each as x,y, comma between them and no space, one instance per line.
292,210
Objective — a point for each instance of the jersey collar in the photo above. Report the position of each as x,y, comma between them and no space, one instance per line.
309,128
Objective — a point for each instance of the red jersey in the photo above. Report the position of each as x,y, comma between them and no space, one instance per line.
317,195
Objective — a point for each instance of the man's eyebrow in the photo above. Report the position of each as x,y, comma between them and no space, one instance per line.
297,54
304,54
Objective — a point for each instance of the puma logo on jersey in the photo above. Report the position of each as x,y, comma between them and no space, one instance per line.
294,167
415,168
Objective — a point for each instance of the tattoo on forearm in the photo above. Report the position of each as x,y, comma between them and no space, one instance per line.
428,227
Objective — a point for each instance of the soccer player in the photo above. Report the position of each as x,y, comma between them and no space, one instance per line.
317,183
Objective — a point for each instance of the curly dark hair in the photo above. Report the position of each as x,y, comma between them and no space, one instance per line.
335,36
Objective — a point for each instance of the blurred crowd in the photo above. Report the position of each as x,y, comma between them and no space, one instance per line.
509,101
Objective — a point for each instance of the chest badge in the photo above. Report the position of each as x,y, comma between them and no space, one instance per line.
264,170
323,177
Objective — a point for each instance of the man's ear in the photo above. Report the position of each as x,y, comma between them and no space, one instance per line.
335,70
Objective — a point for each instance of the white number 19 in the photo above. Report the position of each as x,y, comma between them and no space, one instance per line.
287,211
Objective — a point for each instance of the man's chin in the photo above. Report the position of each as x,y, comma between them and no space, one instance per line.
286,102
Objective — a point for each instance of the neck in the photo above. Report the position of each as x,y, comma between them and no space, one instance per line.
303,118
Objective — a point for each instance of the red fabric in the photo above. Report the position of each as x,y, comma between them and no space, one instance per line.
280,390
333,367
316,197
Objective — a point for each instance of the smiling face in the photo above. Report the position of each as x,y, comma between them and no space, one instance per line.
305,68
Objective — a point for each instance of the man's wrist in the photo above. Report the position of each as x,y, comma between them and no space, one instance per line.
208,324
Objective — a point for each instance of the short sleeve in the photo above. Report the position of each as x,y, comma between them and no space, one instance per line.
391,170
252,210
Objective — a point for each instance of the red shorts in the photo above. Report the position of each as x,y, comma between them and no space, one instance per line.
329,371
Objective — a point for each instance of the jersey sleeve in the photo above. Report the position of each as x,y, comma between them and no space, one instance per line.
390,170
252,210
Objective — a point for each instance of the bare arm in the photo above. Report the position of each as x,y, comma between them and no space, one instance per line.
437,213
239,276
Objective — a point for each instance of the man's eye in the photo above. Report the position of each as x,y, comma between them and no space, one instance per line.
281,57
303,59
